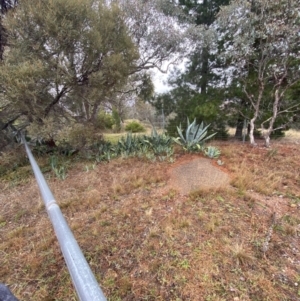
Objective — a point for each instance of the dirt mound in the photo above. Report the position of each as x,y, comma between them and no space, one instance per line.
196,173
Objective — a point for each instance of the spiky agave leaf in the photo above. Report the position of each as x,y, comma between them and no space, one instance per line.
212,152
189,133
154,132
201,133
194,135
179,130
177,140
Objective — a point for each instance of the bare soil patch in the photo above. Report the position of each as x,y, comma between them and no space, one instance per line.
192,173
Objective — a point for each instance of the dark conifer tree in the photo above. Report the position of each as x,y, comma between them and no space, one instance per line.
195,94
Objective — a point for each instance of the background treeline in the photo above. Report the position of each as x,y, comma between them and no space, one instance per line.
89,64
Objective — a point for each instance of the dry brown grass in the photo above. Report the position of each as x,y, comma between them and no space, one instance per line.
145,242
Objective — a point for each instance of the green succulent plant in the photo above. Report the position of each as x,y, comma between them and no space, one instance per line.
156,145
160,143
194,136
60,171
102,151
212,152
220,162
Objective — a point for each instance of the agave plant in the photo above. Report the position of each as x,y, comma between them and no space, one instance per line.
125,145
212,152
60,171
102,151
220,162
160,143
194,137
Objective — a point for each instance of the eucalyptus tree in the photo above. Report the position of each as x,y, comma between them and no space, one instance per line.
157,36
65,57
159,40
264,46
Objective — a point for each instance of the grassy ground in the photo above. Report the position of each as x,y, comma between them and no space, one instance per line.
114,137
144,241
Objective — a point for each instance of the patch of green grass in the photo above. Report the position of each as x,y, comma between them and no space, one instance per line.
113,137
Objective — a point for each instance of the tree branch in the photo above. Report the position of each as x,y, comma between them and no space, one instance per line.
10,122
55,100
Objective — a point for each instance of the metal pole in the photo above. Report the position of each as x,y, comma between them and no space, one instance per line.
85,283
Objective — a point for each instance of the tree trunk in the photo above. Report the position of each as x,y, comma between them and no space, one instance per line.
267,132
256,107
86,109
251,132
239,129
204,70
267,140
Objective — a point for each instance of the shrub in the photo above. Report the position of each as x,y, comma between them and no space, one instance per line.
117,121
134,127
80,136
104,120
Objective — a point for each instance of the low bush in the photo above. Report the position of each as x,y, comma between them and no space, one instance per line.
80,136
104,120
134,127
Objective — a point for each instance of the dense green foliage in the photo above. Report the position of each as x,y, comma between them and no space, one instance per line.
117,120
68,60
264,50
194,93
188,104
134,127
104,120
64,59
241,69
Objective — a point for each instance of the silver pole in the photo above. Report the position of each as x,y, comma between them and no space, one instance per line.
85,283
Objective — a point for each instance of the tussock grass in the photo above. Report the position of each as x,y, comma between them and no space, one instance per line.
144,241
